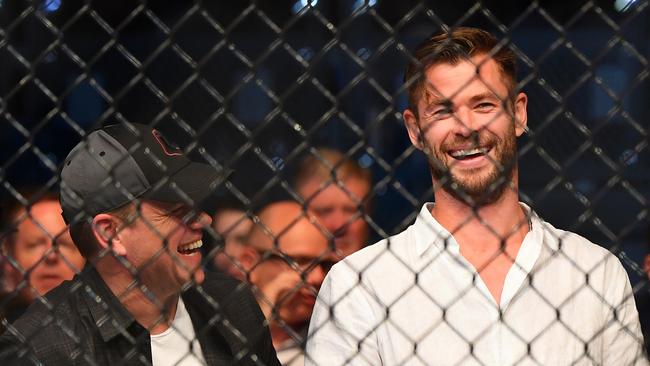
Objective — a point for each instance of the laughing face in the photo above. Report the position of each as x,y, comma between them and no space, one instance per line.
163,243
467,125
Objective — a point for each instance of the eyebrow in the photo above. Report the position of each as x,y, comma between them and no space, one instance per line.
483,96
435,102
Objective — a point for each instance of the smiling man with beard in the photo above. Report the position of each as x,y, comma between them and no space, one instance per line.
479,278
131,201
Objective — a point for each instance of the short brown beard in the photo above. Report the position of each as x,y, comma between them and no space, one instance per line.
477,193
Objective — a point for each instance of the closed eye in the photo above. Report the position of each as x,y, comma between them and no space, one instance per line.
485,106
439,112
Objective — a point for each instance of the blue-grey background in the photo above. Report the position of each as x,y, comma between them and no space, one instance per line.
257,84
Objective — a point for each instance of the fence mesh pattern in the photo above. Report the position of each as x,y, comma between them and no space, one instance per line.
260,88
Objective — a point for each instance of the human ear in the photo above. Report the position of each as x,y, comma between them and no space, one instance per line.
105,228
413,129
521,114
248,258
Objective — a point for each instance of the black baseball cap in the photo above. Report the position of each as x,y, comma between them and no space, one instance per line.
119,163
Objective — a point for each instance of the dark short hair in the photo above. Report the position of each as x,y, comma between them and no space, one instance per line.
454,46
82,232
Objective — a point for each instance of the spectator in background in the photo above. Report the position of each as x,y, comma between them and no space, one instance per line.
233,224
38,243
287,257
339,204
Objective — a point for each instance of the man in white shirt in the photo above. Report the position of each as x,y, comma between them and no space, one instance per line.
478,279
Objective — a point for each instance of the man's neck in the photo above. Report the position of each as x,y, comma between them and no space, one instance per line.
500,225
153,311
489,236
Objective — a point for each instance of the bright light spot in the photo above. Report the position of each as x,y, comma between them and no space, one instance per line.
278,162
365,161
306,53
623,5
51,5
629,157
364,53
300,4
359,3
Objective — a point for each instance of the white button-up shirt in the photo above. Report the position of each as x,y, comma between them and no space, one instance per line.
413,299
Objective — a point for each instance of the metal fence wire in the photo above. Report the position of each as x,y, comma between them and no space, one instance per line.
288,93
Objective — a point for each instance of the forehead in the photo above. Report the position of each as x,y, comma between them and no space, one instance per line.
231,220
476,75
333,194
161,208
45,215
302,238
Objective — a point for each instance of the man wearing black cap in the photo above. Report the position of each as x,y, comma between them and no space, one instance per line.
130,199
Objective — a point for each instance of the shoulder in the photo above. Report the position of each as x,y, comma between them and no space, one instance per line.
220,284
230,296
584,255
397,244
572,243
45,330
386,260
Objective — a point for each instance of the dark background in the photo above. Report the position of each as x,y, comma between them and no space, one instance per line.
255,85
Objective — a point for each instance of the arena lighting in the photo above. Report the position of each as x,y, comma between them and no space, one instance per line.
51,6
623,5
359,3
300,4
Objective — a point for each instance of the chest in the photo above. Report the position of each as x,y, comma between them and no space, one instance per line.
493,271
469,329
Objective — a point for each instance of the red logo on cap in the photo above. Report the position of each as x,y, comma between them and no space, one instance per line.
167,148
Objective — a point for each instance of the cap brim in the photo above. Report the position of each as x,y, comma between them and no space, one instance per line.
191,184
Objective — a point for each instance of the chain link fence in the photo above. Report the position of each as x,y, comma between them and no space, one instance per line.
257,87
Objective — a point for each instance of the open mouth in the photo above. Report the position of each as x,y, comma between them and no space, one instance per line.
465,154
190,248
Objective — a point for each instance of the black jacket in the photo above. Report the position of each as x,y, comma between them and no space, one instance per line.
81,322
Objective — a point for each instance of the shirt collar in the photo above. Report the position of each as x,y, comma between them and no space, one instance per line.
110,317
430,234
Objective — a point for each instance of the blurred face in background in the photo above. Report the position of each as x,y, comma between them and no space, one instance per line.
337,209
42,247
301,259
234,226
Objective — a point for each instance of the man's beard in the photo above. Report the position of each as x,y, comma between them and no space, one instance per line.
476,190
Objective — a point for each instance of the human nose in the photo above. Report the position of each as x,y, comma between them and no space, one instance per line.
316,276
200,221
50,255
466,123
337,223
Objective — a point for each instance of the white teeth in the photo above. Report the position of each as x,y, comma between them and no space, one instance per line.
468,152
190,246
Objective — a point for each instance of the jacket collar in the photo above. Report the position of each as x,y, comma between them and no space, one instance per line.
110,317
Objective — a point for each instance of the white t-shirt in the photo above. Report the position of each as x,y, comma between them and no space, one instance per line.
414,300
172,347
